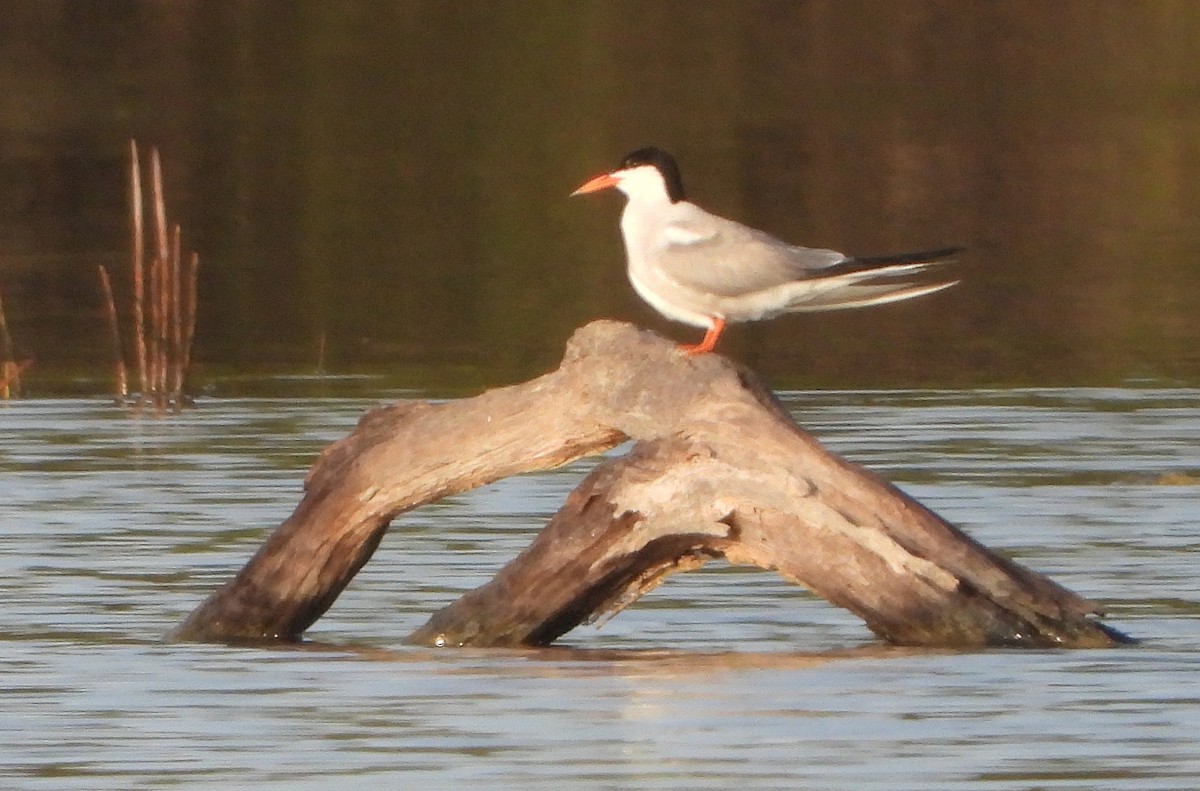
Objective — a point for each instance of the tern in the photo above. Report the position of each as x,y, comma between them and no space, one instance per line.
706,271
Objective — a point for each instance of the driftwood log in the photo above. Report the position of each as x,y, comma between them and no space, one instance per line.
718,470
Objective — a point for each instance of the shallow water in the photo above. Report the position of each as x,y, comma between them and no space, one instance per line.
112,528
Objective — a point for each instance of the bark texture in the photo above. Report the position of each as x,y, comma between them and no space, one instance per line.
718,470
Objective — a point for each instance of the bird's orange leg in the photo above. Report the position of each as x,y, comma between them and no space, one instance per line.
710,338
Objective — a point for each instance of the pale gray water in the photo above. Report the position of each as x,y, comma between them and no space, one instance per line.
113,527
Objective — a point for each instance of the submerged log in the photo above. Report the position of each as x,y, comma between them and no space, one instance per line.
718,470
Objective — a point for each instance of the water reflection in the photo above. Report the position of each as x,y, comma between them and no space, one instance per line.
393,177
558,661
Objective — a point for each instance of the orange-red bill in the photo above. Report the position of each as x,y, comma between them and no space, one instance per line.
601,182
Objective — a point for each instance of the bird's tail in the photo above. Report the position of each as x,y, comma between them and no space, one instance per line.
878,280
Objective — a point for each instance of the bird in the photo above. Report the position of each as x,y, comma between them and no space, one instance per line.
706,271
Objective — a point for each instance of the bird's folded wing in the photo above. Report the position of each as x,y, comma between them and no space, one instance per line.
723,258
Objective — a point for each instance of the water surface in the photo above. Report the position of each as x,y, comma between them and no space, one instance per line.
113,527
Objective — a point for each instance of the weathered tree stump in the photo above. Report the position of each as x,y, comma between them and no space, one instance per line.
718,470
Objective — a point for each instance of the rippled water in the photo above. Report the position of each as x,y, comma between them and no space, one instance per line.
113,527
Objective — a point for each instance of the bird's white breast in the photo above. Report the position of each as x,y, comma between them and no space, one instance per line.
647,230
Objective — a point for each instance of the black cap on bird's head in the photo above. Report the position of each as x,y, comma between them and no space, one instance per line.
631,169
666,166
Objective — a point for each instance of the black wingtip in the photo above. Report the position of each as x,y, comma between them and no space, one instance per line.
909,258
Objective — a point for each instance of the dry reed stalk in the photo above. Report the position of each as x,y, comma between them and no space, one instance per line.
161,252
10,377
137,232
160,205
10,370
189,314
174,311
152,305
6,344
122,379
164,309
161,329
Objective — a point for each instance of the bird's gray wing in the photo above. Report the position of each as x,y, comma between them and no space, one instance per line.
710,254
